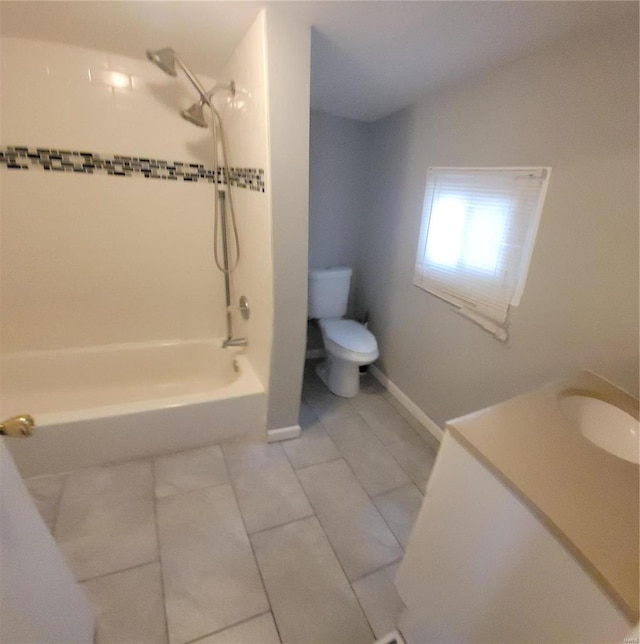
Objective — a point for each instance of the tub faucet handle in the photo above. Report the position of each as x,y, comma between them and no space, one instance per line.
20,426
243,307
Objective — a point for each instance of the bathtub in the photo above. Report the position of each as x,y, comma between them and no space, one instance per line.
97,405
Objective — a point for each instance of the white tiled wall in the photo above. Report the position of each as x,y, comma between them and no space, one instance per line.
96,259
58,96
245,120
93,259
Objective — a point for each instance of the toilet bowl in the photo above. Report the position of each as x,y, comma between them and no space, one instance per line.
347,343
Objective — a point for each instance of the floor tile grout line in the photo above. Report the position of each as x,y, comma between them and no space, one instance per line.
335,554
399,559
373,572
281,525
364,420
324,429
253,552
372,503
100,466
112,572
359,415
375,436
287,460
157,527
195,489
115,572
329,460
395,489
390,452
371,497
225,628
54,523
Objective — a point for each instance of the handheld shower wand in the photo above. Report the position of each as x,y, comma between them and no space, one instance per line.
195,113
167,59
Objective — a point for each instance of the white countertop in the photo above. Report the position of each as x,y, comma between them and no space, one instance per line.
588,498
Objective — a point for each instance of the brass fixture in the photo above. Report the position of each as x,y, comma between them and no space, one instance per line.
18,426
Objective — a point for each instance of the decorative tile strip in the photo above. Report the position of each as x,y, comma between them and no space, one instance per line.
23,158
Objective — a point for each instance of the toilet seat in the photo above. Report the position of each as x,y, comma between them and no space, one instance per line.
349,340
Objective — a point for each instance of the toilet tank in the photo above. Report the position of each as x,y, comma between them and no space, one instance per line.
329,292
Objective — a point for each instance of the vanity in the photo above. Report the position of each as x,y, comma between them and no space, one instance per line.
529,530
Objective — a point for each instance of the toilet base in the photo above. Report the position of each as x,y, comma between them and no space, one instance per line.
341,377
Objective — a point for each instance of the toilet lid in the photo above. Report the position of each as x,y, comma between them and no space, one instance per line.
350,335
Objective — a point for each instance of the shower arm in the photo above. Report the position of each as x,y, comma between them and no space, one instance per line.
204,95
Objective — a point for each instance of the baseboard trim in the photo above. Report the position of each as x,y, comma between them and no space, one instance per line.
283,433
312,354
424,422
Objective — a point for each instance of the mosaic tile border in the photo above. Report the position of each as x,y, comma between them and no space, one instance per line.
23,158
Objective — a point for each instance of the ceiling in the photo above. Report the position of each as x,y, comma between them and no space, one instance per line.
368,60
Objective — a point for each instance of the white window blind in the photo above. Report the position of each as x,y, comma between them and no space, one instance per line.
477,236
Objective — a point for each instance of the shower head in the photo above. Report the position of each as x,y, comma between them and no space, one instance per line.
165,59
195,114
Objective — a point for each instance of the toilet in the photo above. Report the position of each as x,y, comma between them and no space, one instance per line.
347,343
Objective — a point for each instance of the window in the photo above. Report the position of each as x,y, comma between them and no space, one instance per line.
477,236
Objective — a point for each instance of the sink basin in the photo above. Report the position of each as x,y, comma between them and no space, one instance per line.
604,425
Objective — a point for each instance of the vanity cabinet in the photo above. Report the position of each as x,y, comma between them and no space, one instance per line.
484,566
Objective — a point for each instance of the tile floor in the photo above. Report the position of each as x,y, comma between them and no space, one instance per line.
247,542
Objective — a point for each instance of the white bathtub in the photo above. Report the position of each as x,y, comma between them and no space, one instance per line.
96,405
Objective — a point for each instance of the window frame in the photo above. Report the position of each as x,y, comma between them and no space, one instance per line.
475,311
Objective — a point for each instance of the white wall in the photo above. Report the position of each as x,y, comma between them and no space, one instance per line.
288,67
96,259
93,260
575,108
58,96
100,259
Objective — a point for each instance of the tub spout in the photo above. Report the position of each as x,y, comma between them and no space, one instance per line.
235,342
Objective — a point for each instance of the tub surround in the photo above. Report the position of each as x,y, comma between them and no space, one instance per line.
69,117
97,101
586,497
